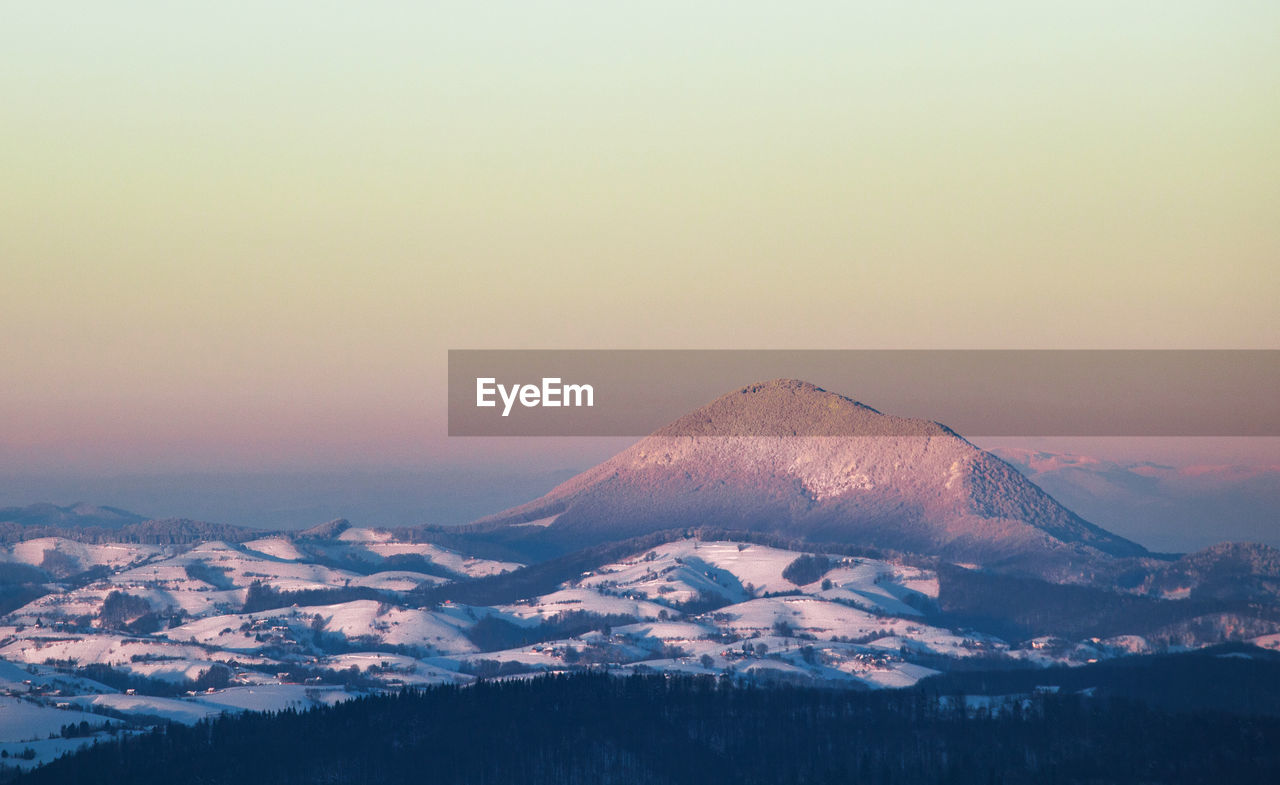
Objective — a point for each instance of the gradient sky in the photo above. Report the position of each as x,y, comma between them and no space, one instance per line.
244,235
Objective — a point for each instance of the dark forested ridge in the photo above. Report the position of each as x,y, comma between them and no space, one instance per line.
1234,678
1019,608
592,728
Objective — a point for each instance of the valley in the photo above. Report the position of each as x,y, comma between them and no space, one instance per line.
126,635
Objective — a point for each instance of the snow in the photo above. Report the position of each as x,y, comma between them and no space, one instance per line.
396,669
442,631
185,711
276,547
157,656
15,678
1129,644
243,568
549,655
276,697
1267,641
875,586
684,570
397,580
405,626
667,630
864,629
450,560
569,600
25,720
757,565
540,523
175,671
12,677
85,555
808,614
45,749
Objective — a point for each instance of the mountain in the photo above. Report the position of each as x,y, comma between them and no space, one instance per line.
1226,571
113,526
788,457
78,514
327,530
176,531
1178,508
780,535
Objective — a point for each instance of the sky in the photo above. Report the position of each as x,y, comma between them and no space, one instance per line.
241,237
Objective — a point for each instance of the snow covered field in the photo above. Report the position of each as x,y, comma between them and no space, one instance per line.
27,720
170,622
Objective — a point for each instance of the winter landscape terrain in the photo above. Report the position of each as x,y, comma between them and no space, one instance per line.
781,535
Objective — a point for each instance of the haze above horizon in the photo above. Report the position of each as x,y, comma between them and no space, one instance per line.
246,242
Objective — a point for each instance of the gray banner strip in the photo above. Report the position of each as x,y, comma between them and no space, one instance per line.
976,393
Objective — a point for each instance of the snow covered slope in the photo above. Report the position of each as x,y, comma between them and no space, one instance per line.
788,457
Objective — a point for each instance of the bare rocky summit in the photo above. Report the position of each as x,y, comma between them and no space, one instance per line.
788,457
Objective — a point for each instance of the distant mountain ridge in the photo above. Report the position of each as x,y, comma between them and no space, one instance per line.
78,514
91,523
787,456
1177,508
1226,571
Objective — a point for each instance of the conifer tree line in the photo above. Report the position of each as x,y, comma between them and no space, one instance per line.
595,728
